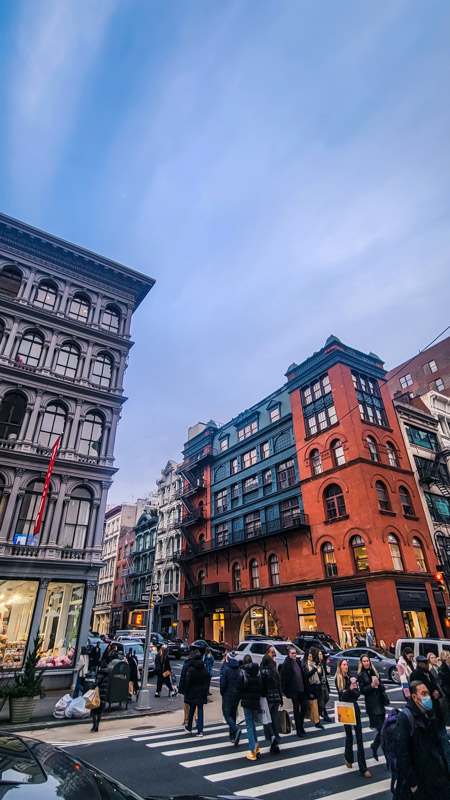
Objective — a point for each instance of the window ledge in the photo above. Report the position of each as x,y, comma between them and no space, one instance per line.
377,425
411,516
324,430
387,513
336,519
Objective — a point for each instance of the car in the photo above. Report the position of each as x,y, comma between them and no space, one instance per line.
258,648
421,647
136,645
32,770
383,661
322,641
218,650
177,648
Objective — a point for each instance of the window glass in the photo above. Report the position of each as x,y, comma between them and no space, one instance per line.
405,499
433,366
247,430
373,450
237,578
254,574
10,281
352,625
395,552
406,380
45,296
17,600
249,459
250,484
382,495
289,512
28,512
91,435
316,462
52,426
12,412
334,502
286,474
265,450
439,507
221,501
257,620
79,308
252,524
338,452
275,414
111,319
59,623
418,552
77,519
329,558
30,349
233,466
102,370
421,437
67,361
274,570
360,553
306,611
224,445
392,455
440,386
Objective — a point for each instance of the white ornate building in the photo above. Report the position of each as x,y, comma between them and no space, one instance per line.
168,543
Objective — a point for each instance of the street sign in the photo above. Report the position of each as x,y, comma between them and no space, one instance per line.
148,587
157,598
145,597
155,587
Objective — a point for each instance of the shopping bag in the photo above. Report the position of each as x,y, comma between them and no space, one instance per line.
166,673
312,711
266,718
284,721
345,713
92,698
130,687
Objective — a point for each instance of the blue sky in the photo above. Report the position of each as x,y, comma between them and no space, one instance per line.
280,167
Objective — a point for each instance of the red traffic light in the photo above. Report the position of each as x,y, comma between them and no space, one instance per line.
438,576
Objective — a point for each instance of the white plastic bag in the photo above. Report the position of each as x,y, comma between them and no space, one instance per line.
77,709
60,707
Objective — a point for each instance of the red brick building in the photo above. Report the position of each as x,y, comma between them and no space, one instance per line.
428,370
303,513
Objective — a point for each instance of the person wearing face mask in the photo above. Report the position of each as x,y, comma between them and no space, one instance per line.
423,750
423,674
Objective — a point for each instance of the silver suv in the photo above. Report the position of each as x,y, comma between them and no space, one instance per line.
258,649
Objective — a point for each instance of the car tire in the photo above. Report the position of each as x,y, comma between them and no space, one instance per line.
394,676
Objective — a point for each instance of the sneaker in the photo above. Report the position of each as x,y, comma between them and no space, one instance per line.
319,725
252,756
157,694
301,734
199,734
240,721
186,729
236,738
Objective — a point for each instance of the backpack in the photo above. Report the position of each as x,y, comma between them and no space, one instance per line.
389,736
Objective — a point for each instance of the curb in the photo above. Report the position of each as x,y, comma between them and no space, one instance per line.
62,723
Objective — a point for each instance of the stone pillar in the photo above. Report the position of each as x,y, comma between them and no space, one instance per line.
75,425
121,369
11,338
10,509
15,514
29,433
97,531
127,321
83,629
97,311
87,362
26,293
51,350
49,514
58,516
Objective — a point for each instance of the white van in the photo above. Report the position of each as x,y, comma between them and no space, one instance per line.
421,647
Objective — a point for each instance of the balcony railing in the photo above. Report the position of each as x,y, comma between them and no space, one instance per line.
49,553
207,590
207,451
194,485
286,523
192,517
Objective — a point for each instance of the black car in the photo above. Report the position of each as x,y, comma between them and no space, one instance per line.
34,770
177,648
216,648
322,641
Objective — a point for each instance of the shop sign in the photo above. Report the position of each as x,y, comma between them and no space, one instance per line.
356,599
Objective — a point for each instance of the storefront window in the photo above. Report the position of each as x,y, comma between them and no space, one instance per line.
60,623
219,625
17,600
352,625
306,611
258,621
416,624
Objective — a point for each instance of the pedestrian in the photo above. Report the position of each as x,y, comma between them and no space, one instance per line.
444,678
230,688
95,657
375,698
392,648
182,683
271,690
82,671
196,689
295,685
434,664
251,690
112,653
405,666
133,665
315,686
369,637
208,660
423,750
102,684
162,670
348,692
325,695
422,674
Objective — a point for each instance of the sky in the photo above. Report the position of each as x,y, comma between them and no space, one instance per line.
280,167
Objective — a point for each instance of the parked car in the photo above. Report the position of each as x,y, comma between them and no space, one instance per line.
177,648
258,648
421,647
136,645
383,661
217,649
322,641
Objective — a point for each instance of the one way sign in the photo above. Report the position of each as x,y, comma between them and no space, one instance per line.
157,598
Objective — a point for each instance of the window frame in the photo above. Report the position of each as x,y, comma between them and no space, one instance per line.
53,292
114,313
315,460
373,449
329,559
336,447
334,502
52,435
78,528
407,507
286,476
392,454
31,360
384,503
358,559
248,430
406,380
91,451
274,414
69,349
417,545
274,570
236,577
253,568
394,545
104,382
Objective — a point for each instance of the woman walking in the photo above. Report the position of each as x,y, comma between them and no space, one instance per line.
196,689
82,671
162,669
325,695
208,661
375,698
434,664
405,666
251,703
315,687
133,665
271,690
101,684
348,692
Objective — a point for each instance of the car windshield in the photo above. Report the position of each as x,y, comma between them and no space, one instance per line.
331,645
17,765
283,649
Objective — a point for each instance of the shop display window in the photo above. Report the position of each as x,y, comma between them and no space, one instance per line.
257,621
306,610
17,601
219,625
352,625
416,624
60,624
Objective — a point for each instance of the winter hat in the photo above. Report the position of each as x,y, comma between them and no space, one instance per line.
422,660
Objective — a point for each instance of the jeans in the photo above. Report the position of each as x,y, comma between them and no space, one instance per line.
299,707
229,711
250,721
79,687
359,743
199,717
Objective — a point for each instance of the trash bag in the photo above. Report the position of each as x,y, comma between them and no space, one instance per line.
77,709
61,705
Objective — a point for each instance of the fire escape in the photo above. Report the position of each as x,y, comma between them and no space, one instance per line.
436,473
127,576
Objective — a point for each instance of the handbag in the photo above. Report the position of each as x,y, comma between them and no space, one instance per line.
92,698
266,718
312,711
130,687
284,721
166,673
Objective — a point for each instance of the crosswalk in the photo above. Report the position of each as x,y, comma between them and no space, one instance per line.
315,764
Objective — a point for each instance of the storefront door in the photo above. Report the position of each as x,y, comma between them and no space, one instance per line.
219,625
352,625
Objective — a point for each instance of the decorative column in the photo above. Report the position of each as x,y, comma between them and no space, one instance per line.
112,432
58,516
49,516
87,363
96,534
51,350
75,425
97,309
15,515
64,301
121,369
12,503
11,338
30,430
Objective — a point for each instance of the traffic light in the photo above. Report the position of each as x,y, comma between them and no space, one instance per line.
439,578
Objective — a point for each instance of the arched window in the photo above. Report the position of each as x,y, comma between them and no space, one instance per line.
111,319
254,574
394,547
329,560
274,570
29,509
52,425
373,449
358,545
337,452
405,499
10,280
170,546
91,435
102,370
316,462
236,574
77,519
12,412
79,308
30,349
201,578
67,360
419,554
392,455
383,496
334,501
45,296
2,329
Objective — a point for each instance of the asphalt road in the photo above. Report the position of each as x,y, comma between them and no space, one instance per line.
168,761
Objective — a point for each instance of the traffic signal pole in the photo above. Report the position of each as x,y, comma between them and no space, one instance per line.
143,701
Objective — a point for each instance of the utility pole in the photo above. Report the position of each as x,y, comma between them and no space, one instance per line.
143,701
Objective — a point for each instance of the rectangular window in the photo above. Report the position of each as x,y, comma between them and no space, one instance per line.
252,524
439,507
433,366
369,399
289,512
233,466
317,389
265,450
275,414
286,474
221,501
247,431
222,534
406,380
440,386
249,459
321,420
60,622
267,477
421,437
223,445
234,489
306,610
250,484
17,603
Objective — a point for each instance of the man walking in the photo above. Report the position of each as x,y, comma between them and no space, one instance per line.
423,750
230,688
295,685
422,674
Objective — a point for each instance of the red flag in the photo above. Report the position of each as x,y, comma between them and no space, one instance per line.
38,523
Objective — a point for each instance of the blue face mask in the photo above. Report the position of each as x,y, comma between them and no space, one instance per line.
427,703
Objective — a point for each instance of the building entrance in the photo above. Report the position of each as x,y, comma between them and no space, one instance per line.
257,621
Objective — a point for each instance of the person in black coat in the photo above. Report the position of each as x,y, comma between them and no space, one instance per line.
102,685
95,657
162,665
348,692
423,750
251,689
182,682
444,677
230,686
271,690
134,675
196,688
375,698
422,674
295,685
